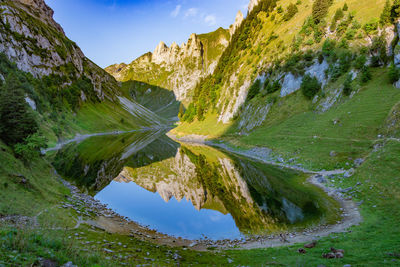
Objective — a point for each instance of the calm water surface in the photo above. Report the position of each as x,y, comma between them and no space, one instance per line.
192,191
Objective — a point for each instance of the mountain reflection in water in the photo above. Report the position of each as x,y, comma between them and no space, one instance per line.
192,190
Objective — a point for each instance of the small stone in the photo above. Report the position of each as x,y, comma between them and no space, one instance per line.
302,251
311,245
69,264
329,255
358,162
339,255
333,154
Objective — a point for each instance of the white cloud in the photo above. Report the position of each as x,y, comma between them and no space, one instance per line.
211,20
176,11
191,12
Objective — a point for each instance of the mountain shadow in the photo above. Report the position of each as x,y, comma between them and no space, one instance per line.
157,99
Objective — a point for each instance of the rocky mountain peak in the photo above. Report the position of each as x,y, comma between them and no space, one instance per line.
183,65
161,48
253,3
43,10
238,21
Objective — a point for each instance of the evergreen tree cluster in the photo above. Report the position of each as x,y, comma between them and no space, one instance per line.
310,86
291,11
320,9
16,120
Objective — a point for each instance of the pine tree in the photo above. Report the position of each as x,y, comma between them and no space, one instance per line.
181,111
291,11
347,88
385,16
345,7
338,14
395,10
320,10
17,122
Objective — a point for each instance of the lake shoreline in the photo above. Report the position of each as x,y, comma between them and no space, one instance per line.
350,212
112,222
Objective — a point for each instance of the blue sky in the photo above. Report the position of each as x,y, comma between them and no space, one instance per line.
115,31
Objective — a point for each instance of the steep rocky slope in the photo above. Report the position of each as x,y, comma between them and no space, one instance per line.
275,49
37,44
178,68
62,79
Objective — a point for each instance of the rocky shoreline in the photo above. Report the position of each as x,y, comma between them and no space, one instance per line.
350,213
93,213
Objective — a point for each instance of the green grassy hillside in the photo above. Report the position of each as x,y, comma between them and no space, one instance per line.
267,44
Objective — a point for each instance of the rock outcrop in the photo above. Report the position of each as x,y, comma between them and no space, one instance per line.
44,12
31,38
177,68
238,21
253,4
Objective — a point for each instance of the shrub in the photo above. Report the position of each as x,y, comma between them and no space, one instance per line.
365,74
254,90
395,10
394,73
272,88
190,113
181,112
328,47
310,86
347,87
385,15
30,148
371,26
378,48
345,7
350,34
291,11
360,61
338,14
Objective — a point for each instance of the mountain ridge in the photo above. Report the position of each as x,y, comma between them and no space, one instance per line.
177,68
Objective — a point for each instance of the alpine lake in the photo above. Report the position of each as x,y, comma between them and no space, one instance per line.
191,190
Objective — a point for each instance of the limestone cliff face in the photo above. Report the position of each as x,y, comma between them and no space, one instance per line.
45,12
238,21
31,38
252,4
177,68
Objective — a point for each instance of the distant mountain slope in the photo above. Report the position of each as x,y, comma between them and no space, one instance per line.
159,100
79,95
178,68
